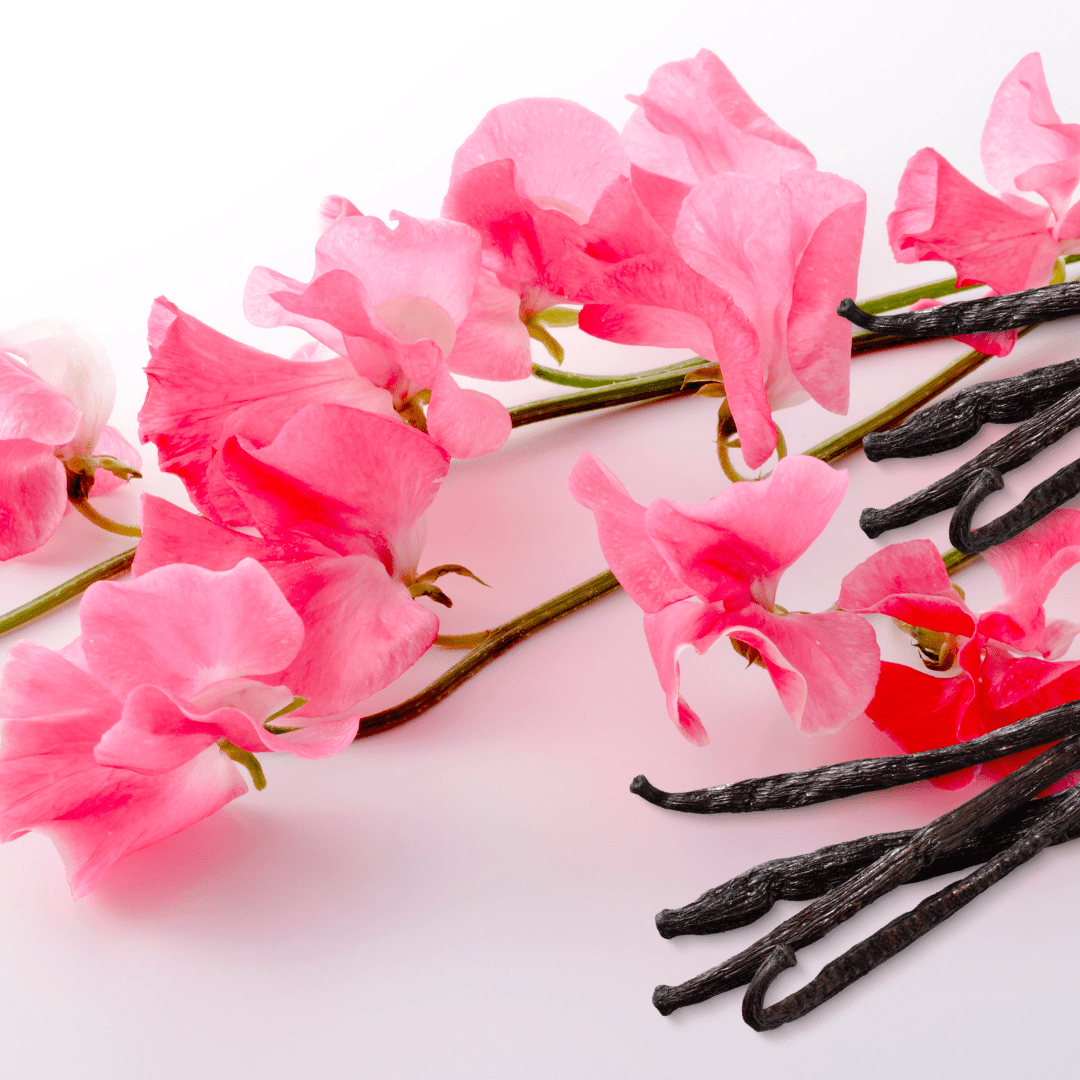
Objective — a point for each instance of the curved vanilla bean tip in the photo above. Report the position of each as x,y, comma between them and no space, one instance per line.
787,790
1023,443
941,837
746,898
987,314
1042,498
1052,823
950,423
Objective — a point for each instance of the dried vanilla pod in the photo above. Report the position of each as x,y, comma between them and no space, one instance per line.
940,837
951,422
1023,443
787,790
1053,825
985,315
747,897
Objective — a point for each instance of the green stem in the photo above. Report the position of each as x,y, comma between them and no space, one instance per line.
497,642
110,568
101,521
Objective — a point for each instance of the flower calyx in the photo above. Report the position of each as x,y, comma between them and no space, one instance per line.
937,650
274,729
411,410
424,585
80,473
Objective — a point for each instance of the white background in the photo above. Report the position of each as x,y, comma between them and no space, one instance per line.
472,895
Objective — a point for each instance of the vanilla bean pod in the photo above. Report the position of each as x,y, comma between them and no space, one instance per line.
1053,825
951,422
987,314
787,790
897,866
746,898
1023,443
1038,502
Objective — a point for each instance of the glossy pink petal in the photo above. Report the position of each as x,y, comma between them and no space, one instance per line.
363,630
620,523
660,300
909,582
181,628
942,215
33,496
660,195
113,444
563,154
700,103
735,547
75,364
30,408
465,423
1025,146
1010,679
312,488
492,342
1029,566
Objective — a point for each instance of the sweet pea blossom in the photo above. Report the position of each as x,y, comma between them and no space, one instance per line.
995,667
337,498
56,394
130,734
694,121
1008,241
705,572
407,307
752,285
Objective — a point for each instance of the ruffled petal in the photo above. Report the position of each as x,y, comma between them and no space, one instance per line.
735,547
942,215
33,496
492,342
32,408
1025,146
620,523
181,628
465,423
700,103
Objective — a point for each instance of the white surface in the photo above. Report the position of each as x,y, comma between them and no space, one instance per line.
472,895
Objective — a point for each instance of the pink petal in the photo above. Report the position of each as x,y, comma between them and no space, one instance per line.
181,628
620,522
563,154
492,342
315,738
824,666
33,496
437,260
309,488
735,547
465,423
205,387
699,102
661,196
1025,146
659,300
1009,679
363,629
333,208
942,215
909,582
113,444
263,295
75,364
1028,567
819,345
32,409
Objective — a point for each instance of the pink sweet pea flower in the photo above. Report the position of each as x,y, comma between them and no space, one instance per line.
694,121
705,572
125,737
56,394
205,388
407,306
1000,662
337,497
1008,242
758,269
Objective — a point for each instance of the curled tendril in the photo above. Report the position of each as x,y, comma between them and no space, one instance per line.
727,440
